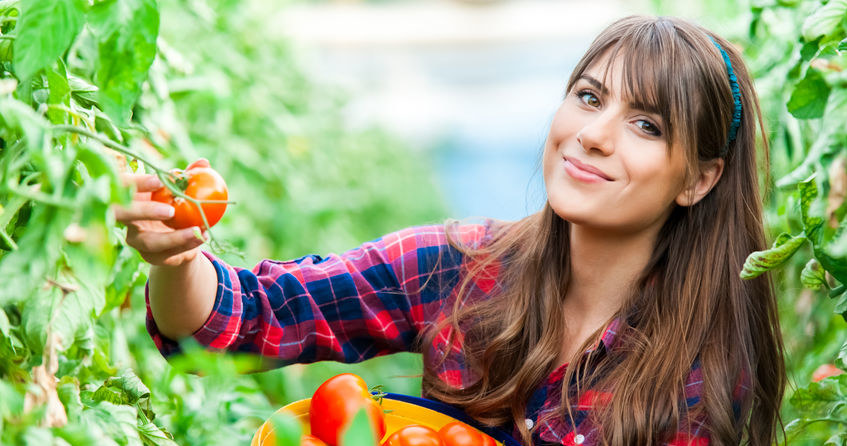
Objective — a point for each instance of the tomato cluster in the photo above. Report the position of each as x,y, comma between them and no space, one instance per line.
452,434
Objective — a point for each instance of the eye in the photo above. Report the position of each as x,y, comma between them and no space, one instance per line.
588,98
648,127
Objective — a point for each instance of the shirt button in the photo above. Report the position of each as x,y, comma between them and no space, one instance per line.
579,439
529,423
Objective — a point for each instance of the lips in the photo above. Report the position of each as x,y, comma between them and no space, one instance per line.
584,171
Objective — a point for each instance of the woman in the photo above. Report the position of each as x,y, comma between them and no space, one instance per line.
615,315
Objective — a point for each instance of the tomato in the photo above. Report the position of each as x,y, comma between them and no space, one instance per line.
825,371
414,435
309,440
336,402
198,181
460,434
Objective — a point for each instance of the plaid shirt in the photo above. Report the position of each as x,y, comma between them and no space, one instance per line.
375,300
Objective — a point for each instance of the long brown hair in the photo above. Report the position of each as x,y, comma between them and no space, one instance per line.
689,304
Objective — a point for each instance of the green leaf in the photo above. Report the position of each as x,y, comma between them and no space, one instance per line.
127,30
821,399
825,20
808,193
287,430
37,436
60,94
808,99
783,248
810,49
45,30
833,253
5,326
68,391
837,440
360,432
130,385
813,275
842,45
841,361
26,269
17,115
117,422
153,435
114,396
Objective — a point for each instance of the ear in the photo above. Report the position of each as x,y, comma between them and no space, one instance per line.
710,173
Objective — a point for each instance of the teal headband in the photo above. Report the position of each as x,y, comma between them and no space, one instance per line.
736,98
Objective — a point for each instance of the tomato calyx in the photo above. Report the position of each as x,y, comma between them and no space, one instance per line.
180,181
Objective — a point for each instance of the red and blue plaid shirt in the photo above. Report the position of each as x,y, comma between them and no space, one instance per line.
375,300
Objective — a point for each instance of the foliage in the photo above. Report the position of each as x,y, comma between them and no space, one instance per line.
796,52
90,89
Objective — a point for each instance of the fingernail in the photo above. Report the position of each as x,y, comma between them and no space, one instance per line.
166,211
191,233
153,183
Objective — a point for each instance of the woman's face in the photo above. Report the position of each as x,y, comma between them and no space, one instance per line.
606,159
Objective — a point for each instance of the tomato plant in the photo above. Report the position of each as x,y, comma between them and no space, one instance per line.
200,182
336,402
414,435
460,434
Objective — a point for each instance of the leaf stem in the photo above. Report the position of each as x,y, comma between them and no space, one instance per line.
5,37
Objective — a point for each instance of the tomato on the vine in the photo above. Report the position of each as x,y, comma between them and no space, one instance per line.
336,402
457,433
198,181
414,435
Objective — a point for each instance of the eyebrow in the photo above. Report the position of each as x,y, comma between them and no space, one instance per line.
635,105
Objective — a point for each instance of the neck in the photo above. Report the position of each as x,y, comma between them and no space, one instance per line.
604,267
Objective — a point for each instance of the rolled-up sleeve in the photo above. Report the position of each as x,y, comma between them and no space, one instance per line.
366,302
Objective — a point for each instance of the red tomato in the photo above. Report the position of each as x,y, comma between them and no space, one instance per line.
336,402
825,371
414,435
460,434
309,440
202,182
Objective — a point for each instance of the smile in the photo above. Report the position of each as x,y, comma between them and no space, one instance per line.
584,172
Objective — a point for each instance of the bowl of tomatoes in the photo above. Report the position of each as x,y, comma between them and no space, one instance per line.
396,420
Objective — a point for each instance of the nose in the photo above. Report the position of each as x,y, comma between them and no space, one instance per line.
597,133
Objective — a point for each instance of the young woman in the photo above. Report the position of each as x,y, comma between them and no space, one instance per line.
615,315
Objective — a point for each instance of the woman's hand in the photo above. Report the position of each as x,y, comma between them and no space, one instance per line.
157,243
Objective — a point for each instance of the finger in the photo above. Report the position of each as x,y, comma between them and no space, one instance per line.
168,243
143,210
142,182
